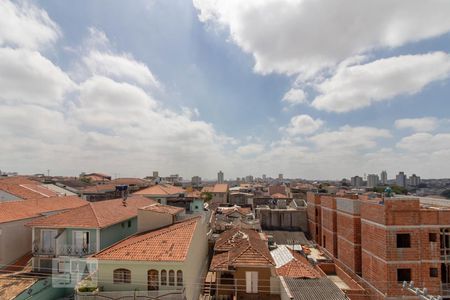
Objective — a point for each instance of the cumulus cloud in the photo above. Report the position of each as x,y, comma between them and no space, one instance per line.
425,142
304,37
24,25
28,77
250,149
302,124
350,138
294,97
418,124
119,67
358,86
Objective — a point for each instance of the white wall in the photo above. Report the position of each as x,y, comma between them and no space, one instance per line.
15,241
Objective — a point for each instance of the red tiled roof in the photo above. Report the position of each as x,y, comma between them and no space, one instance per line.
99,188
241,210
220,188
164,209
170,243
15,186
131,181
95,214
161,190
219,262
243,247
297,269
25,209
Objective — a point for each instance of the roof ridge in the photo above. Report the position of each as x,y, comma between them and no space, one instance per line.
167,229
96,216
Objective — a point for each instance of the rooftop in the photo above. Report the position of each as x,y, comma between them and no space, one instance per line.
161,190
25,209
164,209
170,243
315,288
95,214
24,188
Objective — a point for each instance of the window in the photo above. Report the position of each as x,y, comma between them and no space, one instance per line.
325,241
432,237
434,272
251,282
403,275
48,241
123,224
403,240
122,276
317,212
317,230
81,242
171,277
129,223
179,278
153,280
163,277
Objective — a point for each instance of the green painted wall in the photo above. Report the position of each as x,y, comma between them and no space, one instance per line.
43,290
92,235
117,232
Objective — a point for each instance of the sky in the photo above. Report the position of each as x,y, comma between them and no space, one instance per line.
310,89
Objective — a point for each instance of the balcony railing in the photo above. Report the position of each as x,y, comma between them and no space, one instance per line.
71,250
64,250
445,254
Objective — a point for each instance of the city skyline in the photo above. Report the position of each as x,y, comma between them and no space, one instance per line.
194,88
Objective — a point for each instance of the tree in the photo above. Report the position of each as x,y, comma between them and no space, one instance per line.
207,196
446,194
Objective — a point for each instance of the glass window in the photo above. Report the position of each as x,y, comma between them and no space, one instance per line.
122,276
171,277
403,240
163,277
403,275
179,278
153,280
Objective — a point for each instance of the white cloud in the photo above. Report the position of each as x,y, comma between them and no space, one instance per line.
294,97
418,124
250,149
119,67
28,77
304,37
24,25
359,86
349,138
302,124
425,142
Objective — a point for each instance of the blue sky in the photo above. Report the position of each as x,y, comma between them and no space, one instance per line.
196,87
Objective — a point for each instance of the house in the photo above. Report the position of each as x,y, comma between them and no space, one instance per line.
234,217
162,193
166,262
84,230
219,192
15,238
22,188
95,177
242,266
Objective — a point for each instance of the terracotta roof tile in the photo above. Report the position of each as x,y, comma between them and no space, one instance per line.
164,209
161,190
17,186
25,209
95,214
220,188
170,243
297,269
219,262
279,196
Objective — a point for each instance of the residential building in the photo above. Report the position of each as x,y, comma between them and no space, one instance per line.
15,238
385,241
414,180
356,181
283,217
220,177
372,180
196,181
242,266
95,177
277,189
400,179
219,192
241,198
163,193
280,176
225,218
22,188
166,262
383,177
84,230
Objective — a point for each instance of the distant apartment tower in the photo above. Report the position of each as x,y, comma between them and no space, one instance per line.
196,181
280,176
383,177
372,180
356,181
414,180
249,178
220,177
155,174
400,179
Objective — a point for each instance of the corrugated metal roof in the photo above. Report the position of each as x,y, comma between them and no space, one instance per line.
317,289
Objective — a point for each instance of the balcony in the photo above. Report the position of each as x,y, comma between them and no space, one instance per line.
63,250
